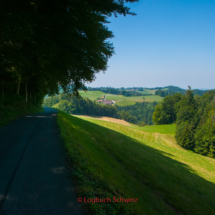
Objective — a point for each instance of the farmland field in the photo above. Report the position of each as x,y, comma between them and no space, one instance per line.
120,100
92,95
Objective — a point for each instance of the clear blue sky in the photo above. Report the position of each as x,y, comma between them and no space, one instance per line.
169,42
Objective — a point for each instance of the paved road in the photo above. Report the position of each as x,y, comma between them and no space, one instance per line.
33,174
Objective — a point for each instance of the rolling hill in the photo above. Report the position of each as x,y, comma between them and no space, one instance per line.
120,99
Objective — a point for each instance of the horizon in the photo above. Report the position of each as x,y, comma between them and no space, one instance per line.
166,43
153,87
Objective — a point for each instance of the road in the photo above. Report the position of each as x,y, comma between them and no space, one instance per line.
33,174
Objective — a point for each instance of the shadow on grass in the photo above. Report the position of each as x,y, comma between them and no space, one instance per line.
172,186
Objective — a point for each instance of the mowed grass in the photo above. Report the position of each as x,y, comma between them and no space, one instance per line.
126,103
112,160
150,91
92,95
120,100
162,129
123,101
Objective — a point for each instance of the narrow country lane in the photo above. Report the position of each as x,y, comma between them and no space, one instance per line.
33,174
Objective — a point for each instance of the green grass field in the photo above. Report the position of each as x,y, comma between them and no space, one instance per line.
149,91
162,129
120,100
92,95
111,160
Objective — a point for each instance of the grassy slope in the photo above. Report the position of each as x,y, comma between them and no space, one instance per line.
120,100
109,160
162,129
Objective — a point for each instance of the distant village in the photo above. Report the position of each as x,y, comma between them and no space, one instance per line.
104,101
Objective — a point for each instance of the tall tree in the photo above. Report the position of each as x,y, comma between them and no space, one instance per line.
46,44
186,121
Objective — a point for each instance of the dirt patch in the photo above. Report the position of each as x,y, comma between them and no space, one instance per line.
108,119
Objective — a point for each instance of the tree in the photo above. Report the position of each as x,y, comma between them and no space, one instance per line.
46,45
205,136
186,123
165,112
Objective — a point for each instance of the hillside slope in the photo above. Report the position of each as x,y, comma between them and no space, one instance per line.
112,160
108,119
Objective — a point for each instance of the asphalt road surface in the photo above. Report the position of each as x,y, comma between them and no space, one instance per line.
33,174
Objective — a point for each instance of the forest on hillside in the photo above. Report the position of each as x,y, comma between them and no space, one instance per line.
121,91
194,117
139,113
140,91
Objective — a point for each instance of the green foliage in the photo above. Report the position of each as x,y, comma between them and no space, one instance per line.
136,114
159,115
194,120
185,135
125,115
83,106
163,93
165,111
174,89
205,136
14,107
141,112
44,46
185,124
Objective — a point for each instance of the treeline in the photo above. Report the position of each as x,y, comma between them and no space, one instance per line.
116,91
143,112
194,117
46,45
163,93
172,90
81,106
140,113
121,88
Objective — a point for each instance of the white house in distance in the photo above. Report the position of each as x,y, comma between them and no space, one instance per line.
104,101
108,102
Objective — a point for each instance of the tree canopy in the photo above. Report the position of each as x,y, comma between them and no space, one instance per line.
46,44
194,117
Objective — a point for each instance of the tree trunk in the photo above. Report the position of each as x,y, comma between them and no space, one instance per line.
3,90
26,92
18,86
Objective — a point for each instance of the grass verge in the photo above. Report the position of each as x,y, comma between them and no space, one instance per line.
111,160
10,112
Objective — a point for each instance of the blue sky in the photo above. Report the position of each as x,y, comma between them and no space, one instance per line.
169,42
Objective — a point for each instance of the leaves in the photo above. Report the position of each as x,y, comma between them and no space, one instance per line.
59,44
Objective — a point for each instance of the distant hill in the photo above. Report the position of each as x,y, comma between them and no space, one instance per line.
174,89
139,91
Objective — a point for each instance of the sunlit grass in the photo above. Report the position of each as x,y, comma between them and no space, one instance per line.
163,129
109,159
119,99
